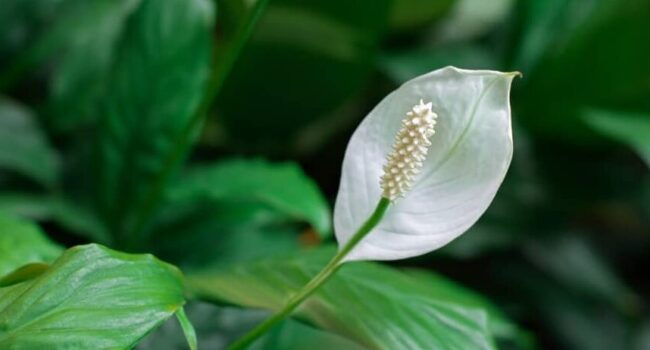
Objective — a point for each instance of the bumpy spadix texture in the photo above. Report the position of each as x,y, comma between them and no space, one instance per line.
409,151
465,165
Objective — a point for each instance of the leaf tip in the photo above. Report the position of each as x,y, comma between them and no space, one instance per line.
515,74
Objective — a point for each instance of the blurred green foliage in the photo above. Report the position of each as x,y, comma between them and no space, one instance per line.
103,139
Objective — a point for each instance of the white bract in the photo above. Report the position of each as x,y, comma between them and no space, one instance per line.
453,175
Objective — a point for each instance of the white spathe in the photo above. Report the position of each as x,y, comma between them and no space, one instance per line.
468,158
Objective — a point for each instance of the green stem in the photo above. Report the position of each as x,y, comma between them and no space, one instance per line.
317,281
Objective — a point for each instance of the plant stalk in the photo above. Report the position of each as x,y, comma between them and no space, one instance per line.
323,276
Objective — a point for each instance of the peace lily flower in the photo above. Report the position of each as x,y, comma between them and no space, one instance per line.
419,171
456,173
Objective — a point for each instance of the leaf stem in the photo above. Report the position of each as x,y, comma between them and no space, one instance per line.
323,276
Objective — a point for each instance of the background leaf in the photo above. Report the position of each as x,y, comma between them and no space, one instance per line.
239,210
81,68
319,50
222,234
24,147
608,32
370,303
415,14
22,242
579,267
471,18
91,298
628,128
68,215
218,326
155,88
282,187
64,25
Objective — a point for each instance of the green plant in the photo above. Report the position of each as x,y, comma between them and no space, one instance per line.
138,128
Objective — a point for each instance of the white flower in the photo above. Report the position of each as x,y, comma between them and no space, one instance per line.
459,171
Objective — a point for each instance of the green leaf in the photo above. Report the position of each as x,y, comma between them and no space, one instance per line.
24,148
58,27
412,14
469,19
629,128
18,19
372,304
23,273
319,52
292,335
610,33
548,25
87,50
441,289
579,268
22,242
574,321
238,210
78,37
282,187
221,234
91,298
162,64
39,207
217,326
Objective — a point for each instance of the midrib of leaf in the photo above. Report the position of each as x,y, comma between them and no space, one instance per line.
220,72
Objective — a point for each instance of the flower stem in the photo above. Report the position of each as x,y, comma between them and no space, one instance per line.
323,276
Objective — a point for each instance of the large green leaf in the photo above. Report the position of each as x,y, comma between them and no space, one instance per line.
162,64
90,298
441,289
629,128
82,66
372,304
78,37
22,242
282,187
304,61
24,148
